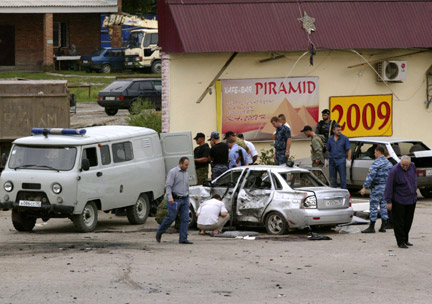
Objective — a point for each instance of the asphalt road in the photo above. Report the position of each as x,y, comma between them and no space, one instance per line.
121,263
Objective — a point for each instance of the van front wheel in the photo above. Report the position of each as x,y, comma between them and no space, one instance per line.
138,213
87,220
22,221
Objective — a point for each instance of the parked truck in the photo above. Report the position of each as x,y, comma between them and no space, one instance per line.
142,50
25,104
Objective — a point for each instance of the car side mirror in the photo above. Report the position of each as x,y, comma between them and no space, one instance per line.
207,183
3,159
85,164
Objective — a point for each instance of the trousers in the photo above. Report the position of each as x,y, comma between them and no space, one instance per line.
376,199
222,220
402,216
180,206
338,166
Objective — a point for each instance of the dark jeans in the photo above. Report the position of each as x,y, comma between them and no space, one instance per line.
335,166
180,206
217,170
402,217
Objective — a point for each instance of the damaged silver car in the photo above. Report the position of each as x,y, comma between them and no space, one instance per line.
278,197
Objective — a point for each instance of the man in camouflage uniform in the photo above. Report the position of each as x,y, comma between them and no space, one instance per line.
317,145
376,180
282,142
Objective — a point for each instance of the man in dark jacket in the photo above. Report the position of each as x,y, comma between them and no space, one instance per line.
201,158
401,197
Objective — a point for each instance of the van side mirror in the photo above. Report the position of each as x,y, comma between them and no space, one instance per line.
85,164
3,159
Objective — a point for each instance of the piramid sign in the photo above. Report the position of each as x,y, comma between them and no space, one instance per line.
370,115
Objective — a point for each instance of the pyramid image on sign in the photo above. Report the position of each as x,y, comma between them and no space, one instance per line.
307,117
293,119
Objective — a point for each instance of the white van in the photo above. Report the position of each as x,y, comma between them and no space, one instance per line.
58,173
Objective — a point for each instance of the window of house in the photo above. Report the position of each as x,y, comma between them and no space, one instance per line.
60,34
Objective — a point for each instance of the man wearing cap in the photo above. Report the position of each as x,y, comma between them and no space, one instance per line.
218,155
317,145
325,126
253,155
282,142
201,158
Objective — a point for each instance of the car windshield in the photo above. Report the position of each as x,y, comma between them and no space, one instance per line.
42,158
98,52
301,179
117,86
135,39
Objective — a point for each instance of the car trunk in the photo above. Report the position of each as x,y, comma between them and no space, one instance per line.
330,198
422,159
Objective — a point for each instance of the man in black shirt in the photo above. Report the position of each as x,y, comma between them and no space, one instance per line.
201,157
218,155
325,126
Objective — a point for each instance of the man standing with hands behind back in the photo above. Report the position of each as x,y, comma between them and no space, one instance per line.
340,156
401,197
177,190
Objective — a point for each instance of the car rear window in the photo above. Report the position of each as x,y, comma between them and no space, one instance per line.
117,86
98,52
408,148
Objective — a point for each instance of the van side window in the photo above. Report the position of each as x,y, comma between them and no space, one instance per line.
122,152
91,155
105,155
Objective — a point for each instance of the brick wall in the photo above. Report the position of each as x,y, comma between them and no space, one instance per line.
84,32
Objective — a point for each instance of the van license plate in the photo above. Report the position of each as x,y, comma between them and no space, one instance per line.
428,172
23,203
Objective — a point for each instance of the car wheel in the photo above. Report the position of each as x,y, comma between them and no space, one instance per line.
106,68
192,218
156,67
426,192
276,224
138,213
111,112
22,221
87,220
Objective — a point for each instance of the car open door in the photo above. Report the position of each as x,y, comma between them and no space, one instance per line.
175,146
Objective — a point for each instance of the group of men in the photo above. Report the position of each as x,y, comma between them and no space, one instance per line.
236,151
393,186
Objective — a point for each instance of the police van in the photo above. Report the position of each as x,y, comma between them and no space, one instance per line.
73,173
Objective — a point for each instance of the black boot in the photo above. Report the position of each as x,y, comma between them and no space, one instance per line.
370,229
383,226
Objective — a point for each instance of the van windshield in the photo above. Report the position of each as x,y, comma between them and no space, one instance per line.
42,158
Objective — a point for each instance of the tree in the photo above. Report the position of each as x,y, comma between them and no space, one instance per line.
142,7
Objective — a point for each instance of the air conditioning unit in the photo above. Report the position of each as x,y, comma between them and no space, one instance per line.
395,71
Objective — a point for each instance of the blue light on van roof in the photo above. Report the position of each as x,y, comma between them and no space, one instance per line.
58,131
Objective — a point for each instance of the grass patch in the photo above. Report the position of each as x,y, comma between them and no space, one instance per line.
143,114
75,78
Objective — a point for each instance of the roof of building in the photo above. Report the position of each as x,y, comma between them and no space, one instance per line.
58,6
194,26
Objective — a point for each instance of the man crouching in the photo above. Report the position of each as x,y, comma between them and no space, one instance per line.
212,215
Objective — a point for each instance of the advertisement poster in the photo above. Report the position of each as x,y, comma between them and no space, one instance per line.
246,106
369,115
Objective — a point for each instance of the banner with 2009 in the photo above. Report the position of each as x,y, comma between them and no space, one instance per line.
369,115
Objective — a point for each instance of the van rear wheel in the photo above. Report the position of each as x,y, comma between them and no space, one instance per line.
22,221
138,213
87,220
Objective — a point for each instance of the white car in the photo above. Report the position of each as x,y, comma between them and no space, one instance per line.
280,198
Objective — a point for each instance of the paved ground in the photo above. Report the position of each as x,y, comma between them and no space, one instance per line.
121,263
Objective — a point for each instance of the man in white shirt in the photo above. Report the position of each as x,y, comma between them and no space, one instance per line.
253,154
212,215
